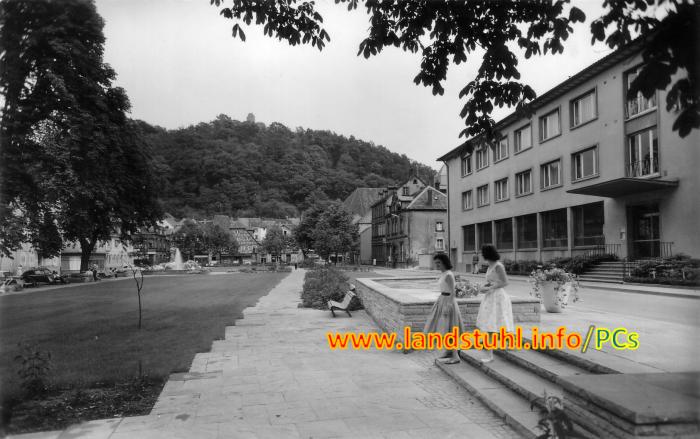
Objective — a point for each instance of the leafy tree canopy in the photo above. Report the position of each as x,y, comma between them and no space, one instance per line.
276,241
248,169
193,238
447,32
334,232
72,165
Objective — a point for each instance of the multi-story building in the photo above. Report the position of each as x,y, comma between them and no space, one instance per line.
592,167
359,204
408,225
154,243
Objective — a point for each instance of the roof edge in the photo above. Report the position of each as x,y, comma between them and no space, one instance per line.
602,64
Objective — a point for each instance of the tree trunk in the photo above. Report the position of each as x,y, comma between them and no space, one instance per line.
86,248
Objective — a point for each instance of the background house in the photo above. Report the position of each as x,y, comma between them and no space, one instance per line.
359,204
408,225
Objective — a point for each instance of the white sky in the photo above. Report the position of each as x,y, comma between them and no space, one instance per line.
180,65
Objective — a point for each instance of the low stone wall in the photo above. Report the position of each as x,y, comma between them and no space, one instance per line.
393,309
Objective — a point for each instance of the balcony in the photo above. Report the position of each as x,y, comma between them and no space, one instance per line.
642,168
635,181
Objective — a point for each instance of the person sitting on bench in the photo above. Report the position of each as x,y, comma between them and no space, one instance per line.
345,304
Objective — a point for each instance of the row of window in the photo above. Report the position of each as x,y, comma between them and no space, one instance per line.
521,232
395,227
584,164
582,109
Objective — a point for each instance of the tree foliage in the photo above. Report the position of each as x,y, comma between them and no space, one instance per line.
218,240
276,242
447,32
304,232
189,239
193,238
249,169
334,232
72,165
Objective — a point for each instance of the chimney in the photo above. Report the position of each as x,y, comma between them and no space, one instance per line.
430,196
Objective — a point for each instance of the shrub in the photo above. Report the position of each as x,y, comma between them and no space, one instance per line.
322,284
663,281
643,269
307,263
520,267
34,366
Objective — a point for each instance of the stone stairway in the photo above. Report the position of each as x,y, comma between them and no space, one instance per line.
609,271
514,384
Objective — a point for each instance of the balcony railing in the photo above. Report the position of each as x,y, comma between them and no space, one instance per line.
642,168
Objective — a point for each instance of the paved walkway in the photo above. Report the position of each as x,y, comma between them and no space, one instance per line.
274,377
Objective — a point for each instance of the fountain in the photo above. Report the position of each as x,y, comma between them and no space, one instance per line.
177,263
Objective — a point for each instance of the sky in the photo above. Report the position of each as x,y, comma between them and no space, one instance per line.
180,65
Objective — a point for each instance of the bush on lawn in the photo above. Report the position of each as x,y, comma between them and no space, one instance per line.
307,263
523,268
322,284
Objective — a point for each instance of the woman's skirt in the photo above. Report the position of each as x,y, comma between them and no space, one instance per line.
495,312
444,316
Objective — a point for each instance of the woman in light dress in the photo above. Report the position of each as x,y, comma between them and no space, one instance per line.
445,313
495,311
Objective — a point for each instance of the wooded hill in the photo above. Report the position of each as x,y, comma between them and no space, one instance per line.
250,169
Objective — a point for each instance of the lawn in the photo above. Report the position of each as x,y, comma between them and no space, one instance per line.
91,330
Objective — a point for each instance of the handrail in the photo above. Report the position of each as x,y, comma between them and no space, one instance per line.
641,168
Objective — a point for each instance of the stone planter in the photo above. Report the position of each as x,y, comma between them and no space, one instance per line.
550,290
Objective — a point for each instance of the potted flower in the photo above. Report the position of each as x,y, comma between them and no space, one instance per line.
465,288
554,287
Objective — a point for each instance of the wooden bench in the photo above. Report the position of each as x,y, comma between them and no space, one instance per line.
345,304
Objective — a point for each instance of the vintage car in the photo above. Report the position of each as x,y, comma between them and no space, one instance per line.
35,276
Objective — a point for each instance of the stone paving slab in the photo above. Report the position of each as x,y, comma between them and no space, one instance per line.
273,376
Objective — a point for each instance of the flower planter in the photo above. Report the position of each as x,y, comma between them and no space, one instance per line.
555,296
554,287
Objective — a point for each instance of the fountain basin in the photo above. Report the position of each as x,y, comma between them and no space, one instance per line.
395,303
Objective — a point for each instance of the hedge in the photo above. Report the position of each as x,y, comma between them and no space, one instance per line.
325,283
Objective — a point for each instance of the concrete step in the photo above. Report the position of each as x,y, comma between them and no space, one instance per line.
520,380
513,392
605,270
584,362
599,274
543,365
602,276
601,279
515,410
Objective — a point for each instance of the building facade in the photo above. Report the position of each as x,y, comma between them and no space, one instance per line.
409,225
154,244
108,254
359,204
591,168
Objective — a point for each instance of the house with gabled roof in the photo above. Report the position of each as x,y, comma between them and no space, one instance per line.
408,224
359,204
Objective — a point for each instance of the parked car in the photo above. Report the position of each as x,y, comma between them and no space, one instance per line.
38,275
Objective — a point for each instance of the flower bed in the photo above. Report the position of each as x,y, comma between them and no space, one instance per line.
678,270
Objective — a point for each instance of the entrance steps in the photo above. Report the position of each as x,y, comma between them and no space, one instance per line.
630,401
513,385
609,271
